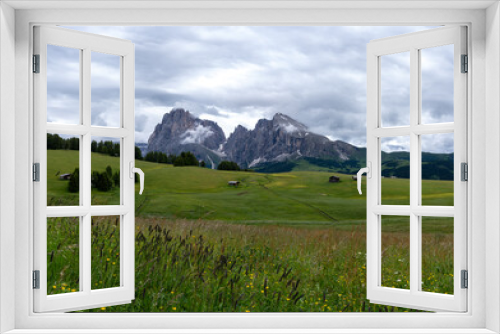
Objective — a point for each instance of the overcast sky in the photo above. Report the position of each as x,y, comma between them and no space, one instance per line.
237,75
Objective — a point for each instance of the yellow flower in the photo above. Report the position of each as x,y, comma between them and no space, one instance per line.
73,290
261,291
114,262
103,308
171,292
63,288
174,308
247,311
108,258
54,287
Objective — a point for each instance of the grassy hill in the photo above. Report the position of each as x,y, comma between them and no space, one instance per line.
297,197
201,244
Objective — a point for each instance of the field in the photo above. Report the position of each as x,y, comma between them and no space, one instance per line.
277,243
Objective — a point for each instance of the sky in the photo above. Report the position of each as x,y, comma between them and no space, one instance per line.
237,75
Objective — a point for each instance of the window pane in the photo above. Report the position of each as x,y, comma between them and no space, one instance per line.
105,166
437,169
437,84
395,252
105,90
395,170
63,85
63,176
63,255
395,89
105,252
437,254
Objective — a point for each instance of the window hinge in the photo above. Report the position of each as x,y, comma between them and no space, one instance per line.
36,63
36,279
464,171
465,64
465,279
36,172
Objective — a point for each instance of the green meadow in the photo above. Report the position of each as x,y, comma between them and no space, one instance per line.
284,242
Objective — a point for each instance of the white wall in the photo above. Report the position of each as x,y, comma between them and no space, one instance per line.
7,162
492,164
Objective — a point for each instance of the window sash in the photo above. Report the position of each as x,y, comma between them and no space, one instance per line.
414,298
86,298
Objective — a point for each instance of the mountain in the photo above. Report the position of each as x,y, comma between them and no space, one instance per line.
282,139
180,131
279,145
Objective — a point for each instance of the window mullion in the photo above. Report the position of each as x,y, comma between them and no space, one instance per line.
414,171
85,156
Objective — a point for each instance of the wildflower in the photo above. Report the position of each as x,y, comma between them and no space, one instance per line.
103,308
73,290
108,258
174,308
114,262
54,287
63,288
171,292
247,311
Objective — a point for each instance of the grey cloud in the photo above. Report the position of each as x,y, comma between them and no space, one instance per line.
235,74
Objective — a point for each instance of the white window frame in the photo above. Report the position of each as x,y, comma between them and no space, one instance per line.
483,103
415,211
86,44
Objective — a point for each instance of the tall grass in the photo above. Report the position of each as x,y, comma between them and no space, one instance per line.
199,266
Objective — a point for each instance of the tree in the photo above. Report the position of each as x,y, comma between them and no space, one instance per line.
116,179
138,153
109,171
93,146
179,162
228,165
74,181
74,144
104,182
202,163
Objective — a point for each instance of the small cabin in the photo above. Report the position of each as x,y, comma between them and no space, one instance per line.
64,176
233,183
334,179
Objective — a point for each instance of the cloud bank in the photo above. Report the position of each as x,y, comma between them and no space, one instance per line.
237,75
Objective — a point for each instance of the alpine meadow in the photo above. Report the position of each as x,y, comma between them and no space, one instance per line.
272,242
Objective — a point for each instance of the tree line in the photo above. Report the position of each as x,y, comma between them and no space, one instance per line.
183,159
56,142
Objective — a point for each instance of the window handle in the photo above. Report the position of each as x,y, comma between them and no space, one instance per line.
139,171
368,172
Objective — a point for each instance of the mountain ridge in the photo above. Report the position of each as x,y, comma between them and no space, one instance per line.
279,144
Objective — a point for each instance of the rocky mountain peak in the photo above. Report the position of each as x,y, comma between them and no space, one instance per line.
281,138
180,131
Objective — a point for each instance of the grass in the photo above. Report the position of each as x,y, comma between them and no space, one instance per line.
283,242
